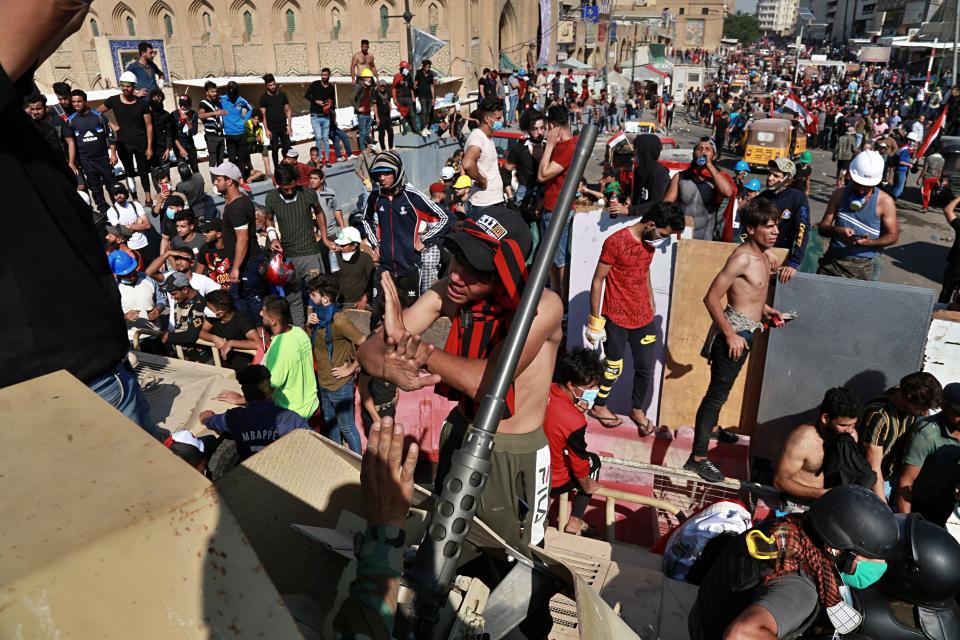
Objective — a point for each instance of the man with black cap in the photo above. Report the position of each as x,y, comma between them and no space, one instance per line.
183,262
480,295
392,220
794,211
213,257
187,314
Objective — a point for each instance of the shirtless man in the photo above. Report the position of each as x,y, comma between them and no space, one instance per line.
361,60
480,295
799,471
744,279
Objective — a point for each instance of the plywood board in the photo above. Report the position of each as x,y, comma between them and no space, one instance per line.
687,373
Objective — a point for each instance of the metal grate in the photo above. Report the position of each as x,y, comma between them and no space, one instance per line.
688,494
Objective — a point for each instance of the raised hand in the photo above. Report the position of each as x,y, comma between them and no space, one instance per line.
386,476
403,362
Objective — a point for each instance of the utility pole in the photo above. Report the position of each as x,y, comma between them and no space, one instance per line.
408,19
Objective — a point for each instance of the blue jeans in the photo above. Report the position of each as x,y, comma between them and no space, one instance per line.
512,111
562,256
365,124
120,388
321,131
340,137
899,183
338,415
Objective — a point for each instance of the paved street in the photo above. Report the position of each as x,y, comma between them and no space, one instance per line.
917,259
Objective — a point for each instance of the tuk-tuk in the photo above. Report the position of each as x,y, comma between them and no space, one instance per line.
642,126
768,139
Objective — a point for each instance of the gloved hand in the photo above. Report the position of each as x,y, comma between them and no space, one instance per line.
594,333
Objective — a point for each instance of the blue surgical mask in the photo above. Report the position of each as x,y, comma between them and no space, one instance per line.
497,125
866,574
588,397
170,212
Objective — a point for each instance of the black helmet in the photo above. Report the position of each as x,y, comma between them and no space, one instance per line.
923,570
184,169
853,519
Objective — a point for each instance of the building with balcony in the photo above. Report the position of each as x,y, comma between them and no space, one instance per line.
778,17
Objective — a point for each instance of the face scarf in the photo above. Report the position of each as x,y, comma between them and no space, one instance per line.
477,330
325,313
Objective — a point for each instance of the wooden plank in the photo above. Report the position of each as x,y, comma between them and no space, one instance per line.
688,374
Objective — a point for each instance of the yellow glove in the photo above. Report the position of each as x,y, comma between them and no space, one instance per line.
596,324
594,332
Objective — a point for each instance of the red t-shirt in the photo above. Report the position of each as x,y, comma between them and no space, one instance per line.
560,421
626,300
562,155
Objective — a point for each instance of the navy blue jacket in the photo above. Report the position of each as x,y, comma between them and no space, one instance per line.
392,222
794,223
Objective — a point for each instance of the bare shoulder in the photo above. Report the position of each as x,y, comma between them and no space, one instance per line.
885,202
803,437
550,306
739,260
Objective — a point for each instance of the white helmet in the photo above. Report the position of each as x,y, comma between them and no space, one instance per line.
867,168
914,136
128,77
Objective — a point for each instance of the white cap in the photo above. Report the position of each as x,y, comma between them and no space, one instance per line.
227,170
184,436
447,173
347,235
913,135
128,77
867,168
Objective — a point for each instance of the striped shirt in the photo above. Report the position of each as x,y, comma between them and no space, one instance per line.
212,125
883,425
295,221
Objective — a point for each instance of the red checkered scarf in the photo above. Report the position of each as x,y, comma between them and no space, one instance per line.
476,330
798,554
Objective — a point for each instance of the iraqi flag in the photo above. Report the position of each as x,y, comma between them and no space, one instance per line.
794,104
932,133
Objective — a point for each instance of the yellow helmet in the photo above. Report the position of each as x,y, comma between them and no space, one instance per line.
366,73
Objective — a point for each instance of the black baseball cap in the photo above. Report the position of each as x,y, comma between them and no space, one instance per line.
206,226
500,224
951,396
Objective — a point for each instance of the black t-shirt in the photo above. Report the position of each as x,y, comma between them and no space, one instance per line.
236,328
133,130
162,127
424,80
238,213
520,156
316,91
354,277
276,116
33,340
489,87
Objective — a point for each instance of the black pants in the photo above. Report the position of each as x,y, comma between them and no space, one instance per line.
723,373
237,152
408,286
643,344
216,149
426,111
580,499
410,121
128,156
668,120
280,142
191,158
98,174
951,282
385,128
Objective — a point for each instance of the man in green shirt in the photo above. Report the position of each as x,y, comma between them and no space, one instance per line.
290,361
928,436
887,419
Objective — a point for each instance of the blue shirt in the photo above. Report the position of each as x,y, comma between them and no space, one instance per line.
903,156
255,425
794,225
146,76
237,115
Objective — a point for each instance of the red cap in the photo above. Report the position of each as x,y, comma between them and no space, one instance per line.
404,64
437,187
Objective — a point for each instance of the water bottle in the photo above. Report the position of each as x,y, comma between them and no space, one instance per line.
701,161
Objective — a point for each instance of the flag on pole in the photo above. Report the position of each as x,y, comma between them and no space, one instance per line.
794,104
933,133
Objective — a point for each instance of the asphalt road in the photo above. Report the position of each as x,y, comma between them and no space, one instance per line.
918,259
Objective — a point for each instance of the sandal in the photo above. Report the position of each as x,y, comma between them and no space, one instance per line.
644,429
605,422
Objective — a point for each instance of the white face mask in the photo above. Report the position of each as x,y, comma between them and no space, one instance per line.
348,254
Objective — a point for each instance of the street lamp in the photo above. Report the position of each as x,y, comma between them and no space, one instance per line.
804,22
408,20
